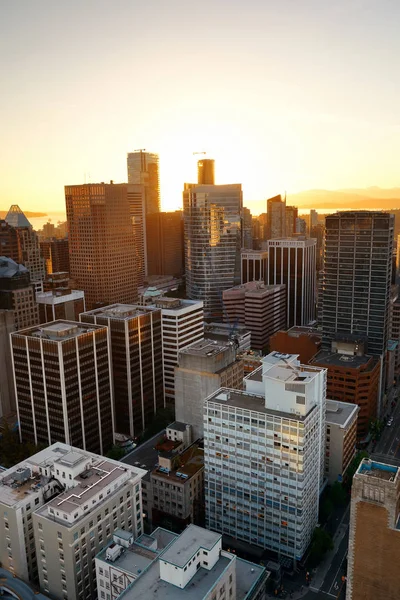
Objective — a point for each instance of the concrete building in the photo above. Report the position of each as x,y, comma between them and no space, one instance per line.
229,332
254,265
61,303
276,215
137,209
7,392
213,238
137,362
165,253
57,280
58,509
182,325
191,565
204,367
374,543
291,215
102,242
17,293
293,262
247,229
304,341
264,456
357,277
173,490
341,438
62,374
143,169
260,308
56,254
353,378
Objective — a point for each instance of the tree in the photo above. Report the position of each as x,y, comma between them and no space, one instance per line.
321,543
337,494
355,463
326,509
116,453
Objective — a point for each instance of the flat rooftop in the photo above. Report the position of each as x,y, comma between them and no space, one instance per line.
333,359
189,463
225,329
59,331
178,426
121,311
205,348
249,401
340,413
188,543
145,456
377,470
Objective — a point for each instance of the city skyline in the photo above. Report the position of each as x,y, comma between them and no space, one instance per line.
282,97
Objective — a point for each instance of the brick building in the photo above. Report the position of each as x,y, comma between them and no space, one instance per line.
304,341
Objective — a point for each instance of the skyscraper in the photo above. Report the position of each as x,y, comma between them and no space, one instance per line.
137,207
56,254
291,214
63,387
293,262
102,242
206,171
7,393
137,362
357,276
143,169
247,229
213,238
276,217
17,293
31,255
264,456
165,254
9,242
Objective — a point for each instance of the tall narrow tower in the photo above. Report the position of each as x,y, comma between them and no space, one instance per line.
143,169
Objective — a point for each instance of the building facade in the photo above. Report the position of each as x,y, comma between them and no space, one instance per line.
102,243
61,303
213,238
276,215
143,170
304,341
254,265
372,572
7,392
165,254
9,242
58,509
56,255
357,277
62,374
291,214
17,293
264,456
137,208
293,263
341,438
137,362
260,308
204,367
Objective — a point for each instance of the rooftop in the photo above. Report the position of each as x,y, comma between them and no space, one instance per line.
176,304
188,543
205,348
58,296
178,426
58,331
377,470
249,401
255,287
185,465
334,359
121,311
9,268
16,218
225,329
340,413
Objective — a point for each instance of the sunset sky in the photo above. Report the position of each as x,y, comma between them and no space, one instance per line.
284,94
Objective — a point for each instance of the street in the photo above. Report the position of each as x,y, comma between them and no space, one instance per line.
388,448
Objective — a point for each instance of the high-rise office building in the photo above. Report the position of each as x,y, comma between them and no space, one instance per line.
56,254
357,277
9,242
31,253
58,509
102,242
182,325
7,393
137,207
204,367
61,303
17,293
62,374
374,543
293,262
276,217
247,229
137,362
313,218
264,456
213,238
165,254
206,171
301,226
143,169
261,308
291,215
254,265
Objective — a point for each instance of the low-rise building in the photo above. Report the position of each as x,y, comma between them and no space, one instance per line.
341,438
60,303
164,565
304,341
240,335
58,508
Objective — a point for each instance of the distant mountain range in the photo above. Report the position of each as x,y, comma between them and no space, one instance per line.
367,198
26,213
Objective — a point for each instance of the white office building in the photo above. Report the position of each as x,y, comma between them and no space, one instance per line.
264,456
182,325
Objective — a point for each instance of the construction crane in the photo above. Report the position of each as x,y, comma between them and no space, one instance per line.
140,150
199,153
